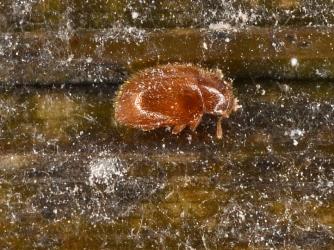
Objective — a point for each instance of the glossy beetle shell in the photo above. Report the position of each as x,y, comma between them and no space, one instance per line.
174,95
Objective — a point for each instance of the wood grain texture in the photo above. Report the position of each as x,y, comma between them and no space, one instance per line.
103,56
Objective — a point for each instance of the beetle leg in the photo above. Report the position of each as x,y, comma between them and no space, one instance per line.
178,128
194,124
219,131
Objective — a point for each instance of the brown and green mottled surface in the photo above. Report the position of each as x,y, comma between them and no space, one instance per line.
95,56
71,179
73,41
29,15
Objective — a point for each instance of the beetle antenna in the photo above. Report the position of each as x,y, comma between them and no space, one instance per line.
219,131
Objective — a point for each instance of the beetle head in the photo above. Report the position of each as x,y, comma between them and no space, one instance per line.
230,103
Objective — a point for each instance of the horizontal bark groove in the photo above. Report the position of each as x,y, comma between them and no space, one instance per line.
29,15
108,55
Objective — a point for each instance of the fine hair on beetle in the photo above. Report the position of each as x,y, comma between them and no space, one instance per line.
176,96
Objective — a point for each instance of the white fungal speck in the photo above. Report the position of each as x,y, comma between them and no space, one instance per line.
189,138
205,46
242,216
134,15
296,133
70,58
89,60
106,171
294,62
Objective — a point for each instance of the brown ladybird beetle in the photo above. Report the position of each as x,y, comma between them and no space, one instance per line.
175,96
